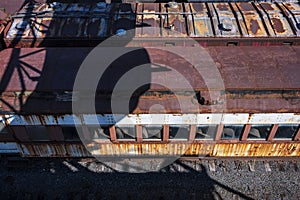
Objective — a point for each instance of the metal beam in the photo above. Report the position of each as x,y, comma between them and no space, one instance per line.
297,136
166,133
219,132
139,133
272,132
112,133
192,132
246,132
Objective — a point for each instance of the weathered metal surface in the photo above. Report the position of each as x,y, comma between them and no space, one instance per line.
224,21
150,8
76,24
134,119
276,21
292,11
199,23
144,21
213,150
28,79
254,25
35,23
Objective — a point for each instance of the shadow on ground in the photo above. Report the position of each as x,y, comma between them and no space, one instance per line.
74,179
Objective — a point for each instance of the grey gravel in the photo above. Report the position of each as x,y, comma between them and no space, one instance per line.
59,178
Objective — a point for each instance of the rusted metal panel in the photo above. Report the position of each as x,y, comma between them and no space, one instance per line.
244,70
33,25
150,8
224,21
253,22
172,149
199,23
148,25
292,11
172,8
174,25
276,20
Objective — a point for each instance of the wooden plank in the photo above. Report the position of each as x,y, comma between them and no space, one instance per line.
246,132
273,132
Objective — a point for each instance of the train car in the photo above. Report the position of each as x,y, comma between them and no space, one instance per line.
254,113
210,23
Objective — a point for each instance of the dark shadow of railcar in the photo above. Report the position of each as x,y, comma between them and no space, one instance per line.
70,179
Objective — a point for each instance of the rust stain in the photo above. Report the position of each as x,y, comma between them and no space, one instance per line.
197,7
267,6
195,149
254,26
277,24
223,7
246,6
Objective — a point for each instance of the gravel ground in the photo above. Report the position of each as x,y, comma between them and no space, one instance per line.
205,179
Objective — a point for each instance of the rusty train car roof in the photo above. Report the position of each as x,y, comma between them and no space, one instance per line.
40,80
61,24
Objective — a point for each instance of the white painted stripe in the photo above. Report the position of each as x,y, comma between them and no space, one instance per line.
215,118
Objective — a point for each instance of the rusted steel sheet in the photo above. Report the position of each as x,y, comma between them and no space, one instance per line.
77,24
148,25
243,70
199,23
59,21
284,149
292,11
240,68
149,8
254,25
174,25
172,149
276,20
224,21
172,8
